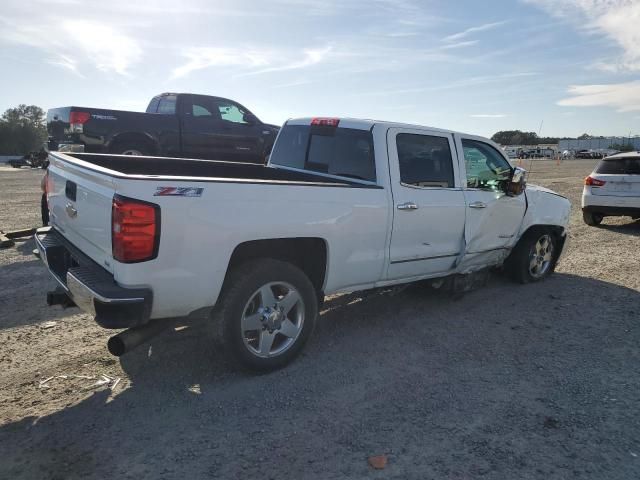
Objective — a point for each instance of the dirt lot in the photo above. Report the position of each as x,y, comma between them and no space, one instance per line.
509,382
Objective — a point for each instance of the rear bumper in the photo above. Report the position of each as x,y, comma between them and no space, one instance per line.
91,287
612,211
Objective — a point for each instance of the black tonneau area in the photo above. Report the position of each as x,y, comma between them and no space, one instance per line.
185,167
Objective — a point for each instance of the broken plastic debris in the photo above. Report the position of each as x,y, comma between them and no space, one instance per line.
103,380
378,461
49,324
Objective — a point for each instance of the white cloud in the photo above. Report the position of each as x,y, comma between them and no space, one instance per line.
109,49
459,45
65,62
254,61
616,19
488,115
469,31
311,57
624,97
206,57
70,42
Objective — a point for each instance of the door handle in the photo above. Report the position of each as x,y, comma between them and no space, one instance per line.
407,206
71,211
477,205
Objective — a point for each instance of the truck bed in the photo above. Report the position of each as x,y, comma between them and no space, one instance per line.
124,166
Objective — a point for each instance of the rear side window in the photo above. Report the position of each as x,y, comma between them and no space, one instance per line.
153,105
167,105
425,160
343,152
619,166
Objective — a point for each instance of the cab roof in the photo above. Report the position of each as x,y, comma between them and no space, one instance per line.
367,124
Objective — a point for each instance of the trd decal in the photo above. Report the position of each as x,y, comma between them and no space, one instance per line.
178,192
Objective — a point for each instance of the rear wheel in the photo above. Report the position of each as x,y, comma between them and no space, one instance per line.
267,312
534,257
591,218
130,149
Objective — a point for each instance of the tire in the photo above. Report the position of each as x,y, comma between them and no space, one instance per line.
541,243
130,149
592,219
44,210
244,303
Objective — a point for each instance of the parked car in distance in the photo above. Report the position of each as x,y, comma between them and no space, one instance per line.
343,205
174,125
612,189
588,154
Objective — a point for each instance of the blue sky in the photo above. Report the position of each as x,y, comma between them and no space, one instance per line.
473,66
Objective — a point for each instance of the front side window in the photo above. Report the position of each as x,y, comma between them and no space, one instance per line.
343,152
231,113
167,105
425,160
486,167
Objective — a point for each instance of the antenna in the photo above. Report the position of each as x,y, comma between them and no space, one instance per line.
531,161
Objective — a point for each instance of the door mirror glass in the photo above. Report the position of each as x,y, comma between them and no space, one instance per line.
518,182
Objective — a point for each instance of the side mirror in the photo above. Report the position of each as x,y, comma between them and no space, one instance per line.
517,183
250,119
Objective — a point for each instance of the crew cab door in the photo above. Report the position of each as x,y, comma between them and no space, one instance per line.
216,129
493,218
202,129
428,203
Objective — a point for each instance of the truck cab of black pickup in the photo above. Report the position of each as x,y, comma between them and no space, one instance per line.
174,125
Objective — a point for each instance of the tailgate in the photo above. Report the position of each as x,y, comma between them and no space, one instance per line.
621,176
80,203
618,185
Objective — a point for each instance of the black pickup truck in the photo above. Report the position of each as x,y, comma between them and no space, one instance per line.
174,125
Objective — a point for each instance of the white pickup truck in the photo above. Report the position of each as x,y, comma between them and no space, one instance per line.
343,205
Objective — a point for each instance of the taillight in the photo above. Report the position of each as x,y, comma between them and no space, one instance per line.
77,120
135,230
43,183
325,122
594,182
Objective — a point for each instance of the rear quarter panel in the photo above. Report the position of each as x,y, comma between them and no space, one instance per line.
199,235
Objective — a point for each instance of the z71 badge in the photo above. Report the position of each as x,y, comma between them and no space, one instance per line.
178,192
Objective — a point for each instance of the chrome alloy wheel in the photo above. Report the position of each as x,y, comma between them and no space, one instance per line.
541,256
131,151
272,319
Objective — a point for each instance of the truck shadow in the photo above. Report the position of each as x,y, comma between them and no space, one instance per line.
402,371
25,283
632,228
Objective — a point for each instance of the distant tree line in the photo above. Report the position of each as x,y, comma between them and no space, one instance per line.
517,137
22,130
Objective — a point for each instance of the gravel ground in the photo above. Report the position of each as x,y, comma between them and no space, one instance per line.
507,382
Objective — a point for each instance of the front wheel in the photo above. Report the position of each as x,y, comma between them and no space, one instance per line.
534,257
267,311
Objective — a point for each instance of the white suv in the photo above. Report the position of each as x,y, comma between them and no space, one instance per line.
612,189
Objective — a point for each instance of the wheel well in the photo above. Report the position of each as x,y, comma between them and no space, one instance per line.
556,229
308,254
132,139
